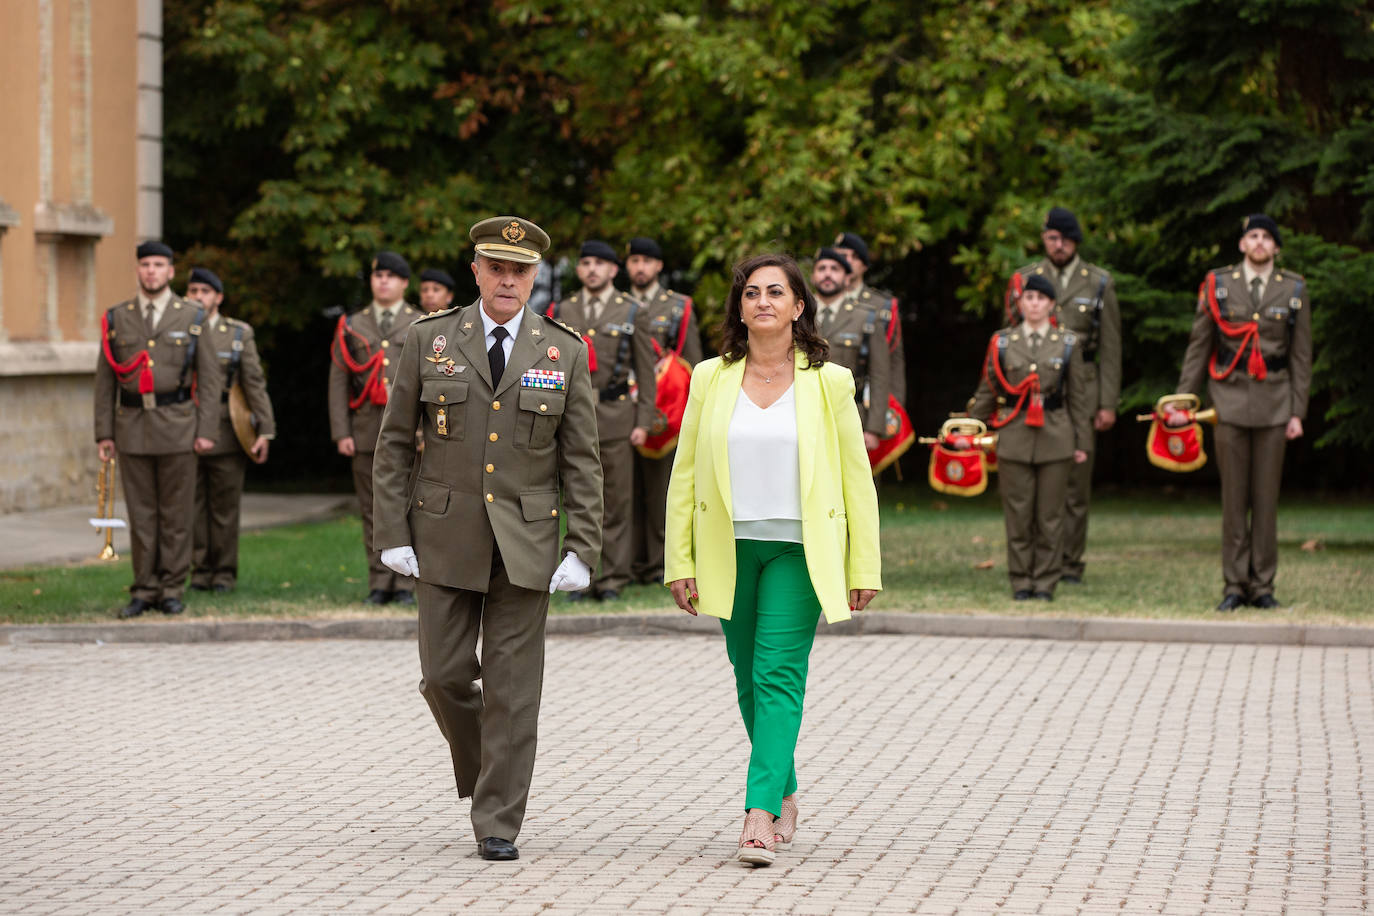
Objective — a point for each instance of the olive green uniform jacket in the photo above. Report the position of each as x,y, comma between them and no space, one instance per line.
1066,428
219,336
364,422
853,327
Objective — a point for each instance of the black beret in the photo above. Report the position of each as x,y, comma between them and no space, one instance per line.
154,249
854,243
208,277
435,275
390,260
1261,221
1065,223
646,247
1041,285
595,248
830,254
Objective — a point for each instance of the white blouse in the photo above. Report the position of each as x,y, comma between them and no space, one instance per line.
765,477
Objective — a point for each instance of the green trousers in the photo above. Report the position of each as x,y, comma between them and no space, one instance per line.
768,637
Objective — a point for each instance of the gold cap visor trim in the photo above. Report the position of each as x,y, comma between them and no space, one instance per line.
508,252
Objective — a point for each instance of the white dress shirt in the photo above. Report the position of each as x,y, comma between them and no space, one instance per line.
512,328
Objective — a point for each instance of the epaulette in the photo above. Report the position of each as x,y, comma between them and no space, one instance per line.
557,323
448,311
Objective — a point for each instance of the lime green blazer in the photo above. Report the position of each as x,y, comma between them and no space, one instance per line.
839,503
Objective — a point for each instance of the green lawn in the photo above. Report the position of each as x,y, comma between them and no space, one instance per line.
1148,556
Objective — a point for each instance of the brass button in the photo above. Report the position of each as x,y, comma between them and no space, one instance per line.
386,343
386,362
1255,317
492,437
591,332
1032,367
543,408
442,399
554,513
622,397
495,405
152,343
490,498
150,364
490,468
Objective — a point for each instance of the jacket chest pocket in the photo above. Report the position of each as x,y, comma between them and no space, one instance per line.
849,341
443,401
541,411
1278,312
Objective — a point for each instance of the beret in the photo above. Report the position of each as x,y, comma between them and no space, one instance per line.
208,277
1261,221
854,243
646,247
154,249
830,254
390,260
1065,223
509,238
594,248
435,275
1041,285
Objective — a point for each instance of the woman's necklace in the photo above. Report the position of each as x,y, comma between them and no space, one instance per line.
768,377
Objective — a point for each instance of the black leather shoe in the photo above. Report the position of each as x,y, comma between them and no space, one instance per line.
198,587
403,596
221,589
172,606
1265,602
1071,579
377,596
496,849
1021,594
134,608
607,594
1043,596
1230,603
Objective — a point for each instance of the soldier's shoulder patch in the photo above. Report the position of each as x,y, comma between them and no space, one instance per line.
432,315
567,330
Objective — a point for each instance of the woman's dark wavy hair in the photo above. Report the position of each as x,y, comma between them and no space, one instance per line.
734,343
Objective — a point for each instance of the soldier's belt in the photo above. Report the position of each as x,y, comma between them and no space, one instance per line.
224,396
1226,356
615,392
1054,401
161,399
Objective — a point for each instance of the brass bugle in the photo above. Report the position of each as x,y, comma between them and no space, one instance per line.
1202,416
104,506
988,440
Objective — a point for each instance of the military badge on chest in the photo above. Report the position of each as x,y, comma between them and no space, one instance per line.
445,363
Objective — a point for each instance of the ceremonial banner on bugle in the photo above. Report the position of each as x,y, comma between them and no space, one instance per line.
1177,448
898,435
958,460
672,378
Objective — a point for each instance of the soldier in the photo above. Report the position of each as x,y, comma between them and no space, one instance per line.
152,360
505,400
1087,306
1034,392
856,339
359,377
855,251
1252,341
672,329
616,328
436,290
219,471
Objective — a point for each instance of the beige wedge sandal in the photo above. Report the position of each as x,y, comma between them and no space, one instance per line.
756,842
785,827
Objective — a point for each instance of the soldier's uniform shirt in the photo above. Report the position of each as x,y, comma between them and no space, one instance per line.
847,331
605,320
889,320
364,422
155,444
1253,413
220,471
503,461
1078,284
1033,462
666,309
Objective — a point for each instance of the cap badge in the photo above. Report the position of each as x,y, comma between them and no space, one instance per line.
553,354
513,232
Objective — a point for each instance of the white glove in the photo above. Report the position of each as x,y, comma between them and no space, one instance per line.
401,560
572,575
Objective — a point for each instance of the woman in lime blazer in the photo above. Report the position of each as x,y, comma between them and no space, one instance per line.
772,518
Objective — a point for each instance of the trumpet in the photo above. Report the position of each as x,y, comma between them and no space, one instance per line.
1188,403
962,432
104,507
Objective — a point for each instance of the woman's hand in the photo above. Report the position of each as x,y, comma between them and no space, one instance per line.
859,598
685,592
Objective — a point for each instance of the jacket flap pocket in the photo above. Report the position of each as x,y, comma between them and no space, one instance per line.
444,391
430,496
539,504
541,401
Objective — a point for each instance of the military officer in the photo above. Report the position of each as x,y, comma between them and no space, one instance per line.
1086,305
856,339
359,378
617,328
855,251
219,471
1252,343
152,359
1035,394
436,290
673,329
505,400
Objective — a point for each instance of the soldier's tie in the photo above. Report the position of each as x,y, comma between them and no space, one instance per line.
387,320
496,356
1035,340
1256,286
827,316
148,316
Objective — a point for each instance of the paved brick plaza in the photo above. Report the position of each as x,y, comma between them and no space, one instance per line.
938,774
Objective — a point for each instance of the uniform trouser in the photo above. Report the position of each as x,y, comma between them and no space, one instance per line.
379,577
160,494
1076,516
650,514
618,549
1033,498
492,729
1251,463
768,638
215,528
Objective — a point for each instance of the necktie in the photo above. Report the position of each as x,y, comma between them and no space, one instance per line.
593,310
387,319
1256,286
496,356
149,317
1035,340
827,316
